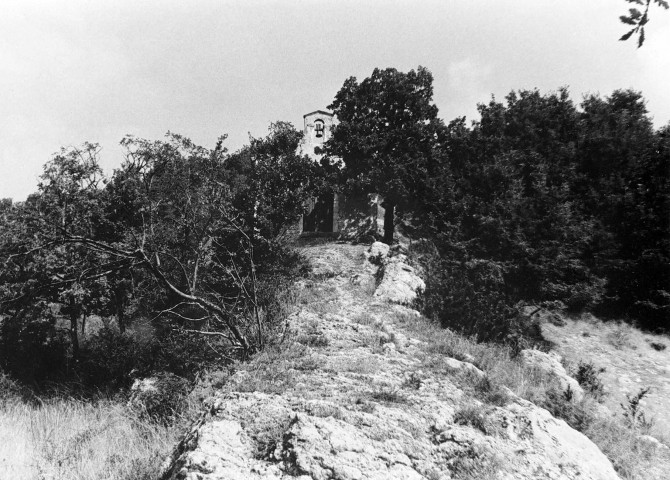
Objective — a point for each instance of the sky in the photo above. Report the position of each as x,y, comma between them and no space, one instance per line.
76,71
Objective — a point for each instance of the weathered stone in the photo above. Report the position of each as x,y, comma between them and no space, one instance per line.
366,416
550,365
399,284
159,395
457,365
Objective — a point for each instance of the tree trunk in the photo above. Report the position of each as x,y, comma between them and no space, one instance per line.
74,336
120,312
389,219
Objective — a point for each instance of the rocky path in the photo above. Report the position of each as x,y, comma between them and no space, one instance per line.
350,395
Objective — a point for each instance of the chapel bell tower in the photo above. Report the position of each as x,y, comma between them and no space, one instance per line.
318,129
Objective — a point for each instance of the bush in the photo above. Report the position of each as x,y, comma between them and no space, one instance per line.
473,416
634,416
562,405
109,357
471,298
468,297
160,397
33,350
588,377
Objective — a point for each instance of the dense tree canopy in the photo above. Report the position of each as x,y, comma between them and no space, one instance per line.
387,129
540,200
180,234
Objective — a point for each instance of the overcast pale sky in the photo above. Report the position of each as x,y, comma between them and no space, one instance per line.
75,71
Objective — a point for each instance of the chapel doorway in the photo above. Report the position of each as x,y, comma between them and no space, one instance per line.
319,216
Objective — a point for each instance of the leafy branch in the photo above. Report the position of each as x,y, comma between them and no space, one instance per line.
638,19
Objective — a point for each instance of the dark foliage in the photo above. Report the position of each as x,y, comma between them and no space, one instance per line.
187,237
540,201
562,405
589,378
638,19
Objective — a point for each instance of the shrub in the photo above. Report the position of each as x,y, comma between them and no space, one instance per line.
469,297
491,392
633,413
413,382
33,350
562,405
588,377
161,397
10,389
109,357
473,416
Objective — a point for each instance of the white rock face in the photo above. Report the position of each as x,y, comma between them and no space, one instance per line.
400,284
368,406
378,250
550,364
158,393
557,450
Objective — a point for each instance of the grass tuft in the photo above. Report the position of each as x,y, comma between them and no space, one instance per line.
67,439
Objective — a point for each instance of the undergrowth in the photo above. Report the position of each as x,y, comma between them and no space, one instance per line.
70,439
618,439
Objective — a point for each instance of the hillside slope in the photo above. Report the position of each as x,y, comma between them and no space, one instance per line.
352,394
630,359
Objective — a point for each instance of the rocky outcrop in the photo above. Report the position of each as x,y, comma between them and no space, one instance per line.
158,396
550,365
399,282
371,402
325,441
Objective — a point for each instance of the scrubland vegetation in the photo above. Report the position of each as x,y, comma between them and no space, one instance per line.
631,456
182,254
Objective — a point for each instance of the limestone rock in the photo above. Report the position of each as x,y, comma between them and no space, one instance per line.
652,443
550,365
457,365
553,448
159,395
400,284
375,408
378,253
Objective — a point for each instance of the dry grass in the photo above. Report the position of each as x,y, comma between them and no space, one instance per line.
476,462
620,336
497,361
275,370
360,365
71,439
633,460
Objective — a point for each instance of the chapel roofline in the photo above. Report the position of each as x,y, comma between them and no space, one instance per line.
318,111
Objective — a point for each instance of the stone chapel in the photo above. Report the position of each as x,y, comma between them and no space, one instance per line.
335,214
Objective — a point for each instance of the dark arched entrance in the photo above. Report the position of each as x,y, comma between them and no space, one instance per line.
319,215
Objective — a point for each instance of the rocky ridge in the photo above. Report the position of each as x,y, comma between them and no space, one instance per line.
350,398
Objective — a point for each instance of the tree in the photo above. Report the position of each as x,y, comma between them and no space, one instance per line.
639,19
178,226
622,184
387,130
272,180
42,279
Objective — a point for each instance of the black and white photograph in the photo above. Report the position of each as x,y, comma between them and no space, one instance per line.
334,240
